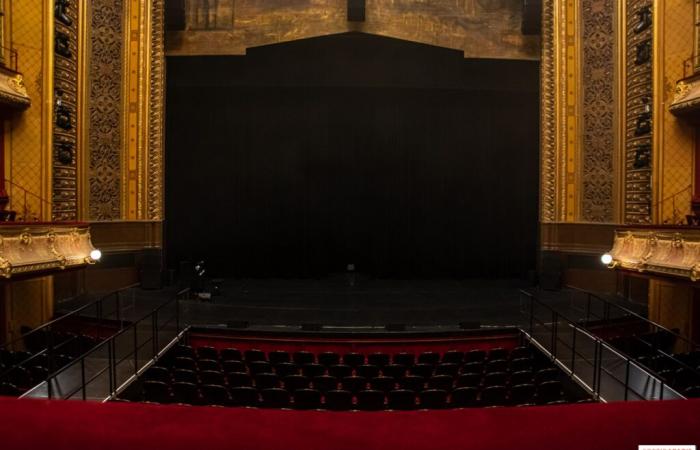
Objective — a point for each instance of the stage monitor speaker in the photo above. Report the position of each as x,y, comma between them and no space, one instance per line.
150,268
532,17
356,10
175,15
395,327
551,271
311,327
470,325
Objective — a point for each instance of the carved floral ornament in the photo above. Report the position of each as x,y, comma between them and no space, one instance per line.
669,254
40,249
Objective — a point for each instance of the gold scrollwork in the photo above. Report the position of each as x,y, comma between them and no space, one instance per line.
682,91
17,84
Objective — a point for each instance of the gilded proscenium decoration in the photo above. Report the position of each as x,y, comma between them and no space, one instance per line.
156,116
548,152
106,110
598,105
65,136
25,250
658,252
481,28
639,91
559,111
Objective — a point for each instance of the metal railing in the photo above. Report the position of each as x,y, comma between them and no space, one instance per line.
608,374
606,312
655,349
103,371
52,344
25,206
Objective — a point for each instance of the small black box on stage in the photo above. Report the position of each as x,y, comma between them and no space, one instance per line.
238,324
470,325
395,327
311,327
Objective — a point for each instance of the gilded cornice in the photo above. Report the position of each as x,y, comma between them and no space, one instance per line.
660,252
25,250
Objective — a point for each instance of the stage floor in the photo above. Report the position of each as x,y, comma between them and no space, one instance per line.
342,301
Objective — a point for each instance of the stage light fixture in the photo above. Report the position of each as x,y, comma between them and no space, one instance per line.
95,255
606,259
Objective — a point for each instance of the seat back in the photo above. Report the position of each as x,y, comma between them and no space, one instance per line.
307,399
339,400
370,400
401,399
244,396
275,398
433,399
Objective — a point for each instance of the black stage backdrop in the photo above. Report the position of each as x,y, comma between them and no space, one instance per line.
404,159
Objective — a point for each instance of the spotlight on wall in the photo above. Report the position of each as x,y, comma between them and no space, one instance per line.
606,259
95,255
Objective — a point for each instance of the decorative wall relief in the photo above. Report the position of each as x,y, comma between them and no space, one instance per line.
65,174
598,65
548,196
105,141
638,109
156,115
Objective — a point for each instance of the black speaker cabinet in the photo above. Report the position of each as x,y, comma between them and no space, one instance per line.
551,271
532,17
150,268
175,15
356,10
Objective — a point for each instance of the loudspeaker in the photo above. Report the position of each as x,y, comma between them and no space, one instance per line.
532,17
150,268
551,271
470,325
175,15
356,10
311,327
395,327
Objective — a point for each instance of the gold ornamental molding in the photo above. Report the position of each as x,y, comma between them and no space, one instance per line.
26,250
686,99
667,253
13,92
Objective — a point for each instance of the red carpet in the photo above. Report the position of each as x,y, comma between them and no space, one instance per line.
26,424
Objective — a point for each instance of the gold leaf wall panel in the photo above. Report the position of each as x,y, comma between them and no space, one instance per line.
482,28
675,138
27,149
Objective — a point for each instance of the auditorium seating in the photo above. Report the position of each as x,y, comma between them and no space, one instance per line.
681,371
352,381
21,370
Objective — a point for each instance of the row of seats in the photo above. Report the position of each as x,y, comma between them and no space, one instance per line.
352,359
329,380
681,373
21,370
354,383
549,392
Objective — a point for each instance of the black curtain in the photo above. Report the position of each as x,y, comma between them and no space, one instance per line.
403,159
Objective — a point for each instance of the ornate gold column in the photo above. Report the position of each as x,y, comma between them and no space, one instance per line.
560,111
143,84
